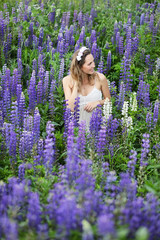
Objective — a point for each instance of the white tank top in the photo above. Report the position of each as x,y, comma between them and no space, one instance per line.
94,95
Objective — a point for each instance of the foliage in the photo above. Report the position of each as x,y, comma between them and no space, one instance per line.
57,179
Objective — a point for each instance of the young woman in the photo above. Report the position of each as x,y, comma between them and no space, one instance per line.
91,87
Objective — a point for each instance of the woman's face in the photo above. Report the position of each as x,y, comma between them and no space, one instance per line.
89,65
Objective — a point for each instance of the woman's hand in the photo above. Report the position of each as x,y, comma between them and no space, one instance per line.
89,107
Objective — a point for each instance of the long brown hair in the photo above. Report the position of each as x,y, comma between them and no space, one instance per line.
75,68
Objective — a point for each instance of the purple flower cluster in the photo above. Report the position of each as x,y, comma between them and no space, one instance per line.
145,149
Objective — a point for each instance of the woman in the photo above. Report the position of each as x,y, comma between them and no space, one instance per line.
91,87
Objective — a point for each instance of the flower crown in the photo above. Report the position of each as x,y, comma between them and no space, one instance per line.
80,53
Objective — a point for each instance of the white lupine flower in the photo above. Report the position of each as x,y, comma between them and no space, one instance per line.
126,121
125,109
107,108
130,123
157,64
133,102
109,84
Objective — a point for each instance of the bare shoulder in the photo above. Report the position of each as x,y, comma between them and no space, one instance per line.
102,77
67,80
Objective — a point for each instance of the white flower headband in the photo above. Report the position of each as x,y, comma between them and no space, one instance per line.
80,53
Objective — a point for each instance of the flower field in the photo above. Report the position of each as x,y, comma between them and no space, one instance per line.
59,180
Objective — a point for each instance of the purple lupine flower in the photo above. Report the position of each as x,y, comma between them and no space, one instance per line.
60,48
143,96
41,73
110,185
75,15
26,144
116,29
128,35
7,127
156,112
70,138
12,147
67,116
128,50
34,211
41,35
95,122
39,158
32,91
6,103
101,145
51,16
16,79
66,216
142,18
113,89
105,224
67,39
28,122
34,65
49,147
147,60
121,95
18,91
46,84
134,27
100,67
9,228
42,232
109,61
117,41
49,44
35,42
72,163
76,112
21,109
149,120
145,149
85,180
21,172
80,19
51,98
40,63
131,164
151,22
20,67
1,121
95,51
128,186
22,148
36,125
81,139
77,46
2,29
135,44
82,36
88,43
19,53
39,91
120,47
30,37
61,70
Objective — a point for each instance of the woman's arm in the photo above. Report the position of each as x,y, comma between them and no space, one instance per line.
104,89
70,91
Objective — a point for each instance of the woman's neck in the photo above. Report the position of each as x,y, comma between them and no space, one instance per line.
85,79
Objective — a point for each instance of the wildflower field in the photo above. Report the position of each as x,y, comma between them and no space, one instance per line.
57,179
